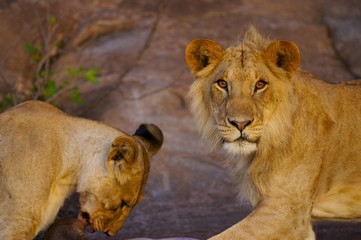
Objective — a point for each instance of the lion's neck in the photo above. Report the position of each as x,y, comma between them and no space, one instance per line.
278,141
239,166
89,151
251,171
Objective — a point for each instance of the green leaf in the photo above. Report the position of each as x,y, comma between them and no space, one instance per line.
8,98
75,72
36,58
42,74
76,97
50,88
92,76
6,101
65,82
53,20
3,105
30,48
59,44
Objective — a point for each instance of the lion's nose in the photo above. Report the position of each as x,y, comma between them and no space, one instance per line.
240,124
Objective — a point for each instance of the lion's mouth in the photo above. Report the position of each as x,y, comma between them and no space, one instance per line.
241,139
84,217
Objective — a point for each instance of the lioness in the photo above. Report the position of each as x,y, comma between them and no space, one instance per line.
45,154
293,141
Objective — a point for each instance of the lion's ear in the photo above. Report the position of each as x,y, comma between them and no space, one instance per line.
202,52
284,54
124,150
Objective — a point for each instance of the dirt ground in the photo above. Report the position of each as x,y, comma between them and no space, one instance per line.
138,47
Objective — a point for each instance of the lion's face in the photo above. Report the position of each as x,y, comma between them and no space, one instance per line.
109,199
238,97
238,90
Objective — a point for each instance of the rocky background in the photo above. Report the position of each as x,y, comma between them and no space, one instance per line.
138,47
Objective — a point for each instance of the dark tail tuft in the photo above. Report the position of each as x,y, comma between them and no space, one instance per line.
151,134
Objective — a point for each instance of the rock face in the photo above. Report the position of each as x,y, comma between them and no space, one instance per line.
139,48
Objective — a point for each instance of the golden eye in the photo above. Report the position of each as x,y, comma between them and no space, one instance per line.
260,84
221,83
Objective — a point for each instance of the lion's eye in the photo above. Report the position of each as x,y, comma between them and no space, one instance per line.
221,83
260,84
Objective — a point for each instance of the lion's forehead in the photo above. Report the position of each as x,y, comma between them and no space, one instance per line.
239,63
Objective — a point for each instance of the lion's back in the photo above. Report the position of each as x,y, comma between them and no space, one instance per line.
30,138
30,108
31,117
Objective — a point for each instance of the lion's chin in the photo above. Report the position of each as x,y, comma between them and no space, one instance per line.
240,147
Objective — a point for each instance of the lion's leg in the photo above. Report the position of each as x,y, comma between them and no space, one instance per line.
273,219
311,234
285,210
311,237
15,231
15,223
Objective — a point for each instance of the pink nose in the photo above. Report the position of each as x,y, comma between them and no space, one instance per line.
241,125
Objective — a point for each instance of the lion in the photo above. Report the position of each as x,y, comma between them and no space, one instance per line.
293,141
46,154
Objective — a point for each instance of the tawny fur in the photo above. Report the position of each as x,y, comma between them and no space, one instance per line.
46,154
298,158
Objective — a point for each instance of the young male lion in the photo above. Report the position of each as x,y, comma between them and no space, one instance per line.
293,141
45,154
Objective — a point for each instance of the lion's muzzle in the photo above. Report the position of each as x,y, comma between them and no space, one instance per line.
240,125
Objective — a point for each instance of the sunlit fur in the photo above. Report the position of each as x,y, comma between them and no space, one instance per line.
299,159
276,122
46,154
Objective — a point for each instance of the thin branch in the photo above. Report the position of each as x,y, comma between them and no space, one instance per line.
46,55
132,67
144,95
47,43
9,88
40,22
76,82
4,81
60,92
6,57
45,60
44,64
